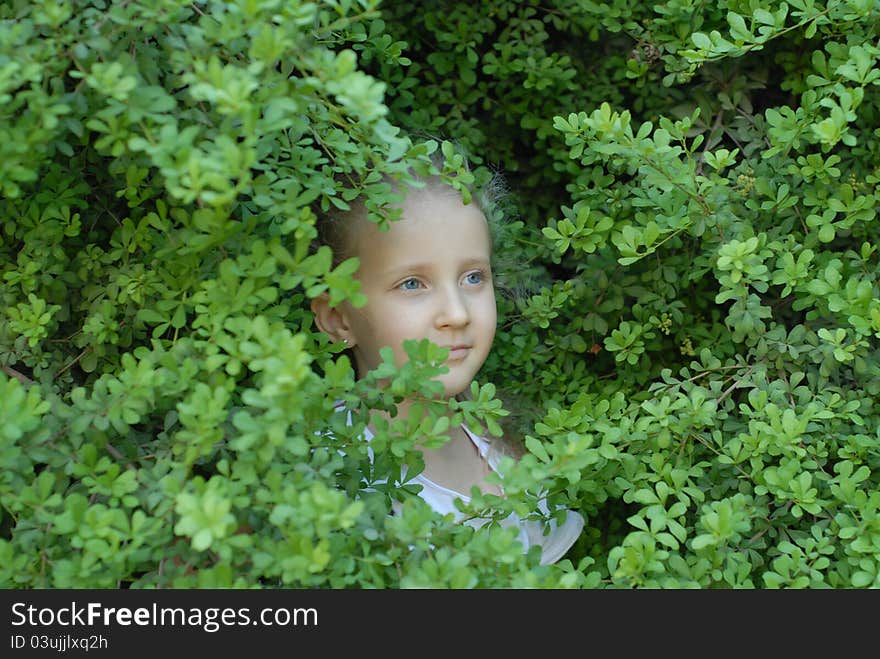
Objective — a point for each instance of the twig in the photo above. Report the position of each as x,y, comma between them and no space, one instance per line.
21,377
112,450
73,361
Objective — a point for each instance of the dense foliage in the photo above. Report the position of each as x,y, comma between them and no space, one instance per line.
696,254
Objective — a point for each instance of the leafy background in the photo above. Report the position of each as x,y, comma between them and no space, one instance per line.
691,233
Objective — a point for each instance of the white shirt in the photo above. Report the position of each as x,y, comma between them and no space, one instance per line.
531,532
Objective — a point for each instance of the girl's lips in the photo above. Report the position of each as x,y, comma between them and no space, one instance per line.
458,352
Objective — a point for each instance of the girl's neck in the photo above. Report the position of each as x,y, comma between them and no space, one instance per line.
403,410
457,464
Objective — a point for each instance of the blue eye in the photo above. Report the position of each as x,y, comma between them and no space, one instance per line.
475,278
411,284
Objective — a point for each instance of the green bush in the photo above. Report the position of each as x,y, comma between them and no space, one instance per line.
696,237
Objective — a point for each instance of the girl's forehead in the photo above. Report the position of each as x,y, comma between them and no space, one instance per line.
429,210
430,222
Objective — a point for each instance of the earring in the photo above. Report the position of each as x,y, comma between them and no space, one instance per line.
345,342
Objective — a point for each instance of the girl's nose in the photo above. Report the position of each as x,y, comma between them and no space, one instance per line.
453,310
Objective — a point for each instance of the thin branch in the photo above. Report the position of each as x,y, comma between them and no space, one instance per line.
73,361
21,377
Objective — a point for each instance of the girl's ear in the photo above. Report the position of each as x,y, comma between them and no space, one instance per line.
332,320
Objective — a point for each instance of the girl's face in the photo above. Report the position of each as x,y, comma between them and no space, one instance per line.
428,276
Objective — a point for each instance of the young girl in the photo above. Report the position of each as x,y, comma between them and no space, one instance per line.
429,276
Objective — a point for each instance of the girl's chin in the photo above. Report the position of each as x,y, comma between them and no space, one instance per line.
453,389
